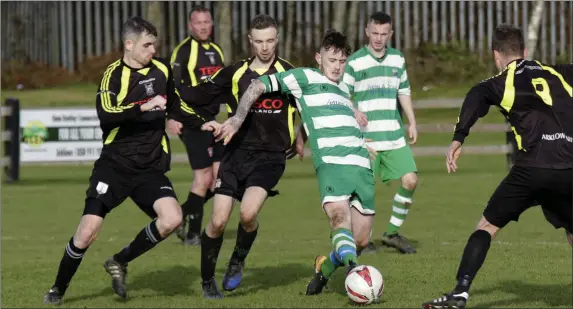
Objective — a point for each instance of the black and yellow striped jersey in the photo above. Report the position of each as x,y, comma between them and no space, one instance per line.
537,100
270,123
193,61
135,141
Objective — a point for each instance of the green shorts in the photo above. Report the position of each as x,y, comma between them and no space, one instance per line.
395,163
346,182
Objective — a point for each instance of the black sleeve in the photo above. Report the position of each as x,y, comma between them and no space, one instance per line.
566,70
176,108
179,60
220,84
476,105
112,112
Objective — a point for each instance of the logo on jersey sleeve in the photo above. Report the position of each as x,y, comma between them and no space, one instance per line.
101,187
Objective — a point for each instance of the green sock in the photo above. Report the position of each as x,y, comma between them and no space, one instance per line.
402,201
330,265
344,246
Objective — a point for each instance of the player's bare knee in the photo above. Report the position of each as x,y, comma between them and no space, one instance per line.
169,215
169,222
570,238
410,181
202,180
485,225
339,218
84,239
218,223
87,231
361,241
248,218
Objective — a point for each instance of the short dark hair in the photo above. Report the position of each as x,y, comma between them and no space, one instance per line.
262,21
380,18
333,39
199,9
508,40
137,26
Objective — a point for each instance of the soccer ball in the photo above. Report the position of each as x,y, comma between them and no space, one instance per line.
364,285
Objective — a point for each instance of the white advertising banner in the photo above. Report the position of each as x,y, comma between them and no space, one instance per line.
52,135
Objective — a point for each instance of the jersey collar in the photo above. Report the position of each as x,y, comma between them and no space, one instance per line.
206,43
272,66
374,57
137,69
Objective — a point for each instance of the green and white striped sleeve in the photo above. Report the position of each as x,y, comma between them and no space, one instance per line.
289,82
404,87
349,78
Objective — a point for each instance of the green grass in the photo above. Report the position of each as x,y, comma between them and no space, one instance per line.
424,139
65,96
84,94
450,116
457,91
528,265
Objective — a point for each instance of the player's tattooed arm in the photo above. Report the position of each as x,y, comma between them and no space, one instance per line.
247,100
232,125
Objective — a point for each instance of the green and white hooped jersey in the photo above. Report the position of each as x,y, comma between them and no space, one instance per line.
327,115
374,84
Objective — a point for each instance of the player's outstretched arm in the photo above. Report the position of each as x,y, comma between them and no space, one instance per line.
111,110
476,105
232,125
209,91
177,109
452,156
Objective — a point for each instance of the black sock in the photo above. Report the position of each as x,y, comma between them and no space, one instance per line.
472,260
244,243
68,265
193,208
148,238
210,248
209,195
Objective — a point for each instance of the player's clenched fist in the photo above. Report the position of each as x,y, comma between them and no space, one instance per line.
212,126
157,101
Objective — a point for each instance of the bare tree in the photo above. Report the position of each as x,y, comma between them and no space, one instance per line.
153,11
533,29
340,15
291,8
352,26
223,20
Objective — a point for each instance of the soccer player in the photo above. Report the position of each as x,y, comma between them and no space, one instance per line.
339,151
536,99
195,59
135,93
376,77
254,161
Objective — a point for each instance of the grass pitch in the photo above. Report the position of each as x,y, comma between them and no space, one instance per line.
529,263
83,94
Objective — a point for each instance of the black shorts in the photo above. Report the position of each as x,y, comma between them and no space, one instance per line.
108,189
525,187
241,169
201,147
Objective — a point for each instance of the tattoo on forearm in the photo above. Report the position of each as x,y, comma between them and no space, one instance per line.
247,100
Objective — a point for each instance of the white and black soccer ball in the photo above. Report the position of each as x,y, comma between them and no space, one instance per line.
364,285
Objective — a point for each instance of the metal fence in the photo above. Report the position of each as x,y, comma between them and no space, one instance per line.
64,33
